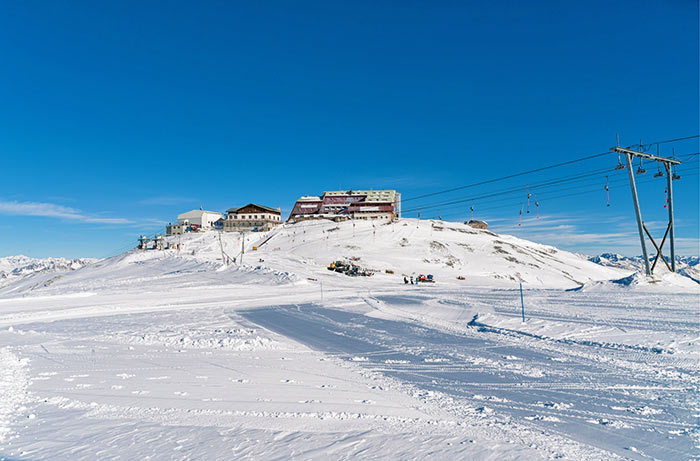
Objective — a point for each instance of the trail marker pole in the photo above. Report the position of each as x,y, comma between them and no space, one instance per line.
242,246
522,302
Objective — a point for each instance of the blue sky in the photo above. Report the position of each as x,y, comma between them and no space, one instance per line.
116,116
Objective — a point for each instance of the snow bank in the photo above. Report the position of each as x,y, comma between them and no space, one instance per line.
232,339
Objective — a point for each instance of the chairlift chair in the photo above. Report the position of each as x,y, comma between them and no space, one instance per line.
659,174
528,200
674,176
620,165
520,217
641,169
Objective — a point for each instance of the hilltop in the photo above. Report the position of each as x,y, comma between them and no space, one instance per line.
291,253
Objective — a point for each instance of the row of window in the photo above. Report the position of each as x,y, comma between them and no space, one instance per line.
270,217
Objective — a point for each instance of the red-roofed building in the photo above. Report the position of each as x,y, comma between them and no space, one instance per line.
350,204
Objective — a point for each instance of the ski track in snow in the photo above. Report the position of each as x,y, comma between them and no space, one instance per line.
13,391
165,355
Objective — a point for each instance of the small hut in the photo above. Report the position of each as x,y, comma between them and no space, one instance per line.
476,224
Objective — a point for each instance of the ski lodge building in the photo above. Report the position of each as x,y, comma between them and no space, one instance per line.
350,204
196,218
200,218
251,218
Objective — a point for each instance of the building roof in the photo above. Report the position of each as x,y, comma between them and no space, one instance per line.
197,213
265,208
382,195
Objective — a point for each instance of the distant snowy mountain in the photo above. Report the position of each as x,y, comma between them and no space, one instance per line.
688,266
13,268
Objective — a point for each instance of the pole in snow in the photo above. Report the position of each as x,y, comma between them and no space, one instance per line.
669,198
638,214
522,303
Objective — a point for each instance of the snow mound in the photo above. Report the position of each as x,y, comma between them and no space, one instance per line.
234,339
445,249
638,280
688,266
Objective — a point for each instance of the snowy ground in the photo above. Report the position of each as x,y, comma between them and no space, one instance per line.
166,355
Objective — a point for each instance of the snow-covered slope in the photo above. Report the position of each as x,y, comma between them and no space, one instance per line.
293,252
198,263
13,268
446,250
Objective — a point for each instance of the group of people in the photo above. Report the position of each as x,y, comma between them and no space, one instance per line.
416,280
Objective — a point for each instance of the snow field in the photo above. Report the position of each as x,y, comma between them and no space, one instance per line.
174,355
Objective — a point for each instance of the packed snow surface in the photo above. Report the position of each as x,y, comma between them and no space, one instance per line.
175,355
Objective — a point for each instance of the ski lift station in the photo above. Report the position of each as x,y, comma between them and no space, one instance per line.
200,219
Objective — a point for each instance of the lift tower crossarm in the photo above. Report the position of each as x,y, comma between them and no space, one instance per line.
655,158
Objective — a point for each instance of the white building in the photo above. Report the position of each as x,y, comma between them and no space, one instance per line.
201,218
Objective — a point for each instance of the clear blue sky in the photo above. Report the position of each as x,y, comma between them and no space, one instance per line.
116,116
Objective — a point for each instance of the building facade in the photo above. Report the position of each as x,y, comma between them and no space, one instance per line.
199,218
251,218
175,229
349,204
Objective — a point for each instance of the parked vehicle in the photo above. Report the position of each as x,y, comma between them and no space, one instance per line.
350,269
